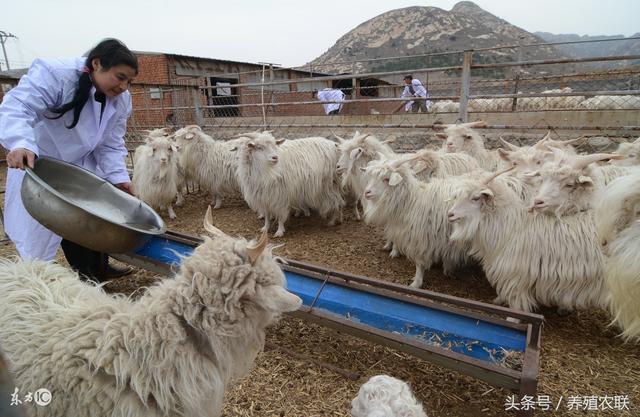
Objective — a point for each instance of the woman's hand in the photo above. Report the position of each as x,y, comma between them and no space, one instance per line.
127,187
17,158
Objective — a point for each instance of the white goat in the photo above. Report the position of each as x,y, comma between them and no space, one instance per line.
444,106
611,102
210,163
631,152
356,153
568,182
155,173
171,353
618,226
530,260
386,396
542,103
413,214
277,176
427,164
462,138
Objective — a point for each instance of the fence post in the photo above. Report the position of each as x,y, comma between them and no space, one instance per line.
264,113
514,105
464,87
195,93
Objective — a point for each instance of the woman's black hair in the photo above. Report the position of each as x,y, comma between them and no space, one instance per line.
111,52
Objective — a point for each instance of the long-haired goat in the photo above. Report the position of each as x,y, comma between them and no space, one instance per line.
210,163
173,352
413,215
530,260
277,176
155,173
618,226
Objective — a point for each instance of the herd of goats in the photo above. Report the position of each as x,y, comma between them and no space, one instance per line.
549,226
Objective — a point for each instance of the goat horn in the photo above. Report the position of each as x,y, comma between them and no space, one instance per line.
342,140
497,174
399,162
509,145
478,123
581,162
255,251
572,141
208,224
390,139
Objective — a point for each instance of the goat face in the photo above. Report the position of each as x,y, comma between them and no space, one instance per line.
263,149
162,150
560,188
467,210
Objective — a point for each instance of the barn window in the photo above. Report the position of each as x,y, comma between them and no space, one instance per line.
369,87
155,93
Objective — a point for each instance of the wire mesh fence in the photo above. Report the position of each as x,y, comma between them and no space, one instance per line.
502,81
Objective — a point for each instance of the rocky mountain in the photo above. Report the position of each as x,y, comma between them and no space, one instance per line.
627,47
420,30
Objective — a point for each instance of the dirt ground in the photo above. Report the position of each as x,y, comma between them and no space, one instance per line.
580,357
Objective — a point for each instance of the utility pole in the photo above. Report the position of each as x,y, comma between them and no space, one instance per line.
3,38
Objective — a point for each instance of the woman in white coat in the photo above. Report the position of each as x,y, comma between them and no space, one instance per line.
73,110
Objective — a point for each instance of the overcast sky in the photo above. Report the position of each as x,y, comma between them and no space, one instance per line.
285,32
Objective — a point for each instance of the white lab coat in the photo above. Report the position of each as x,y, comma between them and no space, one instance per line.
94,144
330,94
419,91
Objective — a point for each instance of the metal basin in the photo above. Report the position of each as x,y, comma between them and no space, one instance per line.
80,206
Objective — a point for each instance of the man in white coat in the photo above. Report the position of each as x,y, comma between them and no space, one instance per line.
73,110
331,95
414,88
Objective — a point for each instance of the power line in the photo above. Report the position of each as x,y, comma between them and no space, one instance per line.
3,38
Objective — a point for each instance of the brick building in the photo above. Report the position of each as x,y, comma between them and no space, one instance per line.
170,86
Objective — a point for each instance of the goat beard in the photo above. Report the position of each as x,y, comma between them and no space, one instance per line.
465,229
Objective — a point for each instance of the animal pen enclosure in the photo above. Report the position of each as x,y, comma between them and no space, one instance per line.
593,96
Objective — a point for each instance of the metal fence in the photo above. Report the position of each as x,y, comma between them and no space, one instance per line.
490,82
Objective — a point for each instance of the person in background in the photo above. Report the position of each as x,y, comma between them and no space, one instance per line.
74,110
414,88
329,95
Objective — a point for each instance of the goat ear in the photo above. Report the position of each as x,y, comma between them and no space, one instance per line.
190,135
583,179
355,154
279,141
174,148
395,179
209,227
277,299
255,251
363,169
487,193
251,145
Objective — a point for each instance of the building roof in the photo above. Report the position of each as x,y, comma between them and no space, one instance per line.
179,56
13,74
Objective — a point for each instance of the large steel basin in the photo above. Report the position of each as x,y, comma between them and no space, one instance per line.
80,206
